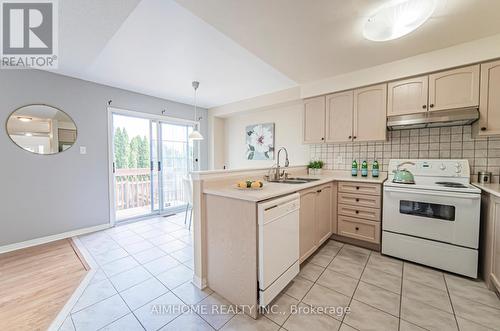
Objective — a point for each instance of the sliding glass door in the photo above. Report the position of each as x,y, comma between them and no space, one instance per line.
132,166
177,161
150,160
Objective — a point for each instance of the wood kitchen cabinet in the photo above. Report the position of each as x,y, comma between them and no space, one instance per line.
457,88
489,103
314,120
317,218
370,108
339,117
359,212
408,96
490,240
307,221
355,115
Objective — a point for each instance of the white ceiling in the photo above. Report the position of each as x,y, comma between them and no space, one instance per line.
308,40
245,48
160,48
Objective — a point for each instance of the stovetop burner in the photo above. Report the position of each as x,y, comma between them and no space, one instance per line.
451,184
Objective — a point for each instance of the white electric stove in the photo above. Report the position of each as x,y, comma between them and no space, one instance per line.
434,221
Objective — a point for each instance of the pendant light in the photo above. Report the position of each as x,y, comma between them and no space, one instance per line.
195,135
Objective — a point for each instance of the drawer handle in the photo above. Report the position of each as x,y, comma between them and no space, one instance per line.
357,187
357,200
357,211
357,228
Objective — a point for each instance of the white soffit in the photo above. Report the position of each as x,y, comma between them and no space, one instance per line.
161,47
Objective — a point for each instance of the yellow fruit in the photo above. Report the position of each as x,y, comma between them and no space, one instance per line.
256,184
242,184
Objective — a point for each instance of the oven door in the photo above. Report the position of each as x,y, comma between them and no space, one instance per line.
449,217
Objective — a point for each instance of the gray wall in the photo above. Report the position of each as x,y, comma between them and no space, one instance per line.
42,195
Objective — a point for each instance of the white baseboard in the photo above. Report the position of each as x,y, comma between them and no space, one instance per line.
44,240
200,283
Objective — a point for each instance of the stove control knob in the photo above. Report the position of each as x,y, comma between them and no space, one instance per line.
442,167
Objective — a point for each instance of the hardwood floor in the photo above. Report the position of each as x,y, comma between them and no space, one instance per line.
36,282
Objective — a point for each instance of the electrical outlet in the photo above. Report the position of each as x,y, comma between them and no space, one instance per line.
83,150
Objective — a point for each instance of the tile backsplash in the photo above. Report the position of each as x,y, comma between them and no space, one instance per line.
431,143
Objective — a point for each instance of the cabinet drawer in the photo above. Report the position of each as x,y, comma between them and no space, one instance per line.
359,229
359,188
371,214
371,201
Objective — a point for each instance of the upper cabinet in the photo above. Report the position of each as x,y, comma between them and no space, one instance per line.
339,117
458,88
370,106
356,115
407,96
489,106
314,120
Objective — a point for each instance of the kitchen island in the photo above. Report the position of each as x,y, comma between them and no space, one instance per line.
229,219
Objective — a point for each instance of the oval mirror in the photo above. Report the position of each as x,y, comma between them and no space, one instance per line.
41,129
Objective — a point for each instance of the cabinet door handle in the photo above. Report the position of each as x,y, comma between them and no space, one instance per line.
357,228
357,187
424,106
318,191
483,128
354,137
357,211
357,200
350,137
323,138
431,105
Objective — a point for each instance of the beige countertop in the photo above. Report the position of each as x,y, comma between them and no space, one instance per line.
271,190
491,188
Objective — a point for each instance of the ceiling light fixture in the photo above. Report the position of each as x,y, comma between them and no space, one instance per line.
24,119
397,19
195,134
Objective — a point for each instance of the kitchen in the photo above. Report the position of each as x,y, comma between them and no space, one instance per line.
251,165
432,136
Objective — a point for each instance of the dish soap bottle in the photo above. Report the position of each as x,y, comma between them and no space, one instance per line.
375,169
354,169
364,169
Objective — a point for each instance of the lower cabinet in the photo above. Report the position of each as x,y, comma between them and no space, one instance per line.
359,211
317,218
358,228
490,239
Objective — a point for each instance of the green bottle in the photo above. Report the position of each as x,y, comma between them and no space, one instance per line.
364,169
375,169
354,169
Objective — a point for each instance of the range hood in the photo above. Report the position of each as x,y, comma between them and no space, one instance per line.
432,119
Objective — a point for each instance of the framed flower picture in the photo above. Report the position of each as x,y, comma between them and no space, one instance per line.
260,141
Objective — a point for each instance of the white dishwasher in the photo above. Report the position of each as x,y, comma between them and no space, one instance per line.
278,245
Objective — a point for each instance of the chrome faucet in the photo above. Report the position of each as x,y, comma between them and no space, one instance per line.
278,174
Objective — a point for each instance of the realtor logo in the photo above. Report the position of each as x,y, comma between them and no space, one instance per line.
29,34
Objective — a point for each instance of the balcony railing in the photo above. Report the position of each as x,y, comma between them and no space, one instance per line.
133,191
132,188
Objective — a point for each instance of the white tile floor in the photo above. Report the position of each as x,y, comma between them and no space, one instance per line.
148,265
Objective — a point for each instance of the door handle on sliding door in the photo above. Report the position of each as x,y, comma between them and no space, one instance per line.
159,165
